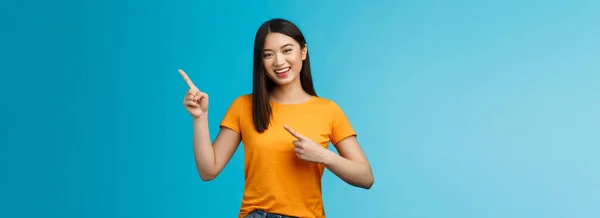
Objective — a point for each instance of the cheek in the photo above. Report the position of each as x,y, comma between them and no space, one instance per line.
297,60
267,65
293,59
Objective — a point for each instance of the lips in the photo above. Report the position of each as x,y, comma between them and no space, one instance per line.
283,72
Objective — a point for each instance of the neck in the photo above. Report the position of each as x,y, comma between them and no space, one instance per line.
289,94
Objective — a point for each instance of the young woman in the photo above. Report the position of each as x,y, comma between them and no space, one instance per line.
285,128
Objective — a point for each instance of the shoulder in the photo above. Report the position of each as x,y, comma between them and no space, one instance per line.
241,103
327,105
325,102
245,99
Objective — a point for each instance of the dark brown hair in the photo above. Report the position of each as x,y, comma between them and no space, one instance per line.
262,86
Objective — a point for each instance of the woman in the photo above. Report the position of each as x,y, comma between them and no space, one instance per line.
285,128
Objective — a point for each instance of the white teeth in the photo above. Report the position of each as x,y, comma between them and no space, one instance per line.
282,70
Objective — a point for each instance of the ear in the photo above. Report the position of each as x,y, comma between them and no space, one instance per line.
304,51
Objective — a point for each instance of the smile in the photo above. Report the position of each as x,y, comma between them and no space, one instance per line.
283,70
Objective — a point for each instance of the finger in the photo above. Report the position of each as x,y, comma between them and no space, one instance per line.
187,79
198,96
189,97
192,98
294,133
297,144
191,103
201,95
193,91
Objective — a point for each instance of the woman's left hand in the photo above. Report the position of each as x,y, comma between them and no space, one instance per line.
307,149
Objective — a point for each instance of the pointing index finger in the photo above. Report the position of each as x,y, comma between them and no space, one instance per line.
294,133
187,79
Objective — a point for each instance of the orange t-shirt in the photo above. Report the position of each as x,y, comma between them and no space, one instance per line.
276,180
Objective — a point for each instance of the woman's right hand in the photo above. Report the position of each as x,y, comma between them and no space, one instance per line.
195,102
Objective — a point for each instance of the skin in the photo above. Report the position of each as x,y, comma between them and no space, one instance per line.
280,51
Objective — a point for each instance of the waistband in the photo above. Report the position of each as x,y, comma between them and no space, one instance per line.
264,214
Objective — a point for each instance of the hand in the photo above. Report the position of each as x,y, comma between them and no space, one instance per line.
306,149
195,102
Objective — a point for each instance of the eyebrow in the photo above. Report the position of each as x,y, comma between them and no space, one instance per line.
289,44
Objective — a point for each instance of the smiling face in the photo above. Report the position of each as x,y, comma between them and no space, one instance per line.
282,58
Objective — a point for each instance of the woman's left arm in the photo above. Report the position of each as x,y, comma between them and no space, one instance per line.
351,165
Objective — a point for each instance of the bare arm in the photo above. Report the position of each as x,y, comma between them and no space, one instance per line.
351,165
211,158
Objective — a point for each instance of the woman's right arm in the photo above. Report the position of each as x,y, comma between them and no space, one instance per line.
210,158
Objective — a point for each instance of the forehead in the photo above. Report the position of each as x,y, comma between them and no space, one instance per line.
277,40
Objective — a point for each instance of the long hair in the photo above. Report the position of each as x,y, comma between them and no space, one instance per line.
262,86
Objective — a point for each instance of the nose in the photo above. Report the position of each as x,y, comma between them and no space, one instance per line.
279,60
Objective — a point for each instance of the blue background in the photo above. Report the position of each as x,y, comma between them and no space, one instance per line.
465,109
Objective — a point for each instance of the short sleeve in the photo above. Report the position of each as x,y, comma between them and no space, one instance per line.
340,125
231,119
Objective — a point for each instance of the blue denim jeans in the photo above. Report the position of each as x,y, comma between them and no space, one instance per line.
264,214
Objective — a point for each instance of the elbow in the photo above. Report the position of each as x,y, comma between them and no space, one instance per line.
366,180
369,180
366,183
369,183
207,176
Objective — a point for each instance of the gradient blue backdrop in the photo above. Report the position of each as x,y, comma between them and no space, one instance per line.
465,109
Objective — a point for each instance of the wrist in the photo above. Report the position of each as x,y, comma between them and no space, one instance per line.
327,157
200,119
